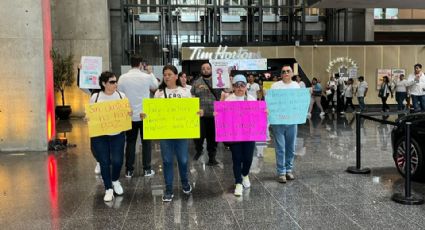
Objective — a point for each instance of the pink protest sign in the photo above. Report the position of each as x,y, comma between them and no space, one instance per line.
240,121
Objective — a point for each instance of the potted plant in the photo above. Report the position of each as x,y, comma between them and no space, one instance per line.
63,75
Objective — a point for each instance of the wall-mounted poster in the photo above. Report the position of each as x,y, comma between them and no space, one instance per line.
91,68
395,73
380,74
352,72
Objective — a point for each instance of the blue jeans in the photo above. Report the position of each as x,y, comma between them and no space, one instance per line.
169,149
418,102
285,137
400,97
109,151
361,103
242,153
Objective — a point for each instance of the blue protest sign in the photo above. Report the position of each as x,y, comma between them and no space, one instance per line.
288,106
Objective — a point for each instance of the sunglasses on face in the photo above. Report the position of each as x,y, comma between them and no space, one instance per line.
239,85
112,82
285,71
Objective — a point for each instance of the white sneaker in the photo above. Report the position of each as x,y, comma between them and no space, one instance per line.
97,168
109,195
245,181
322,114
117,187
149,173
238,190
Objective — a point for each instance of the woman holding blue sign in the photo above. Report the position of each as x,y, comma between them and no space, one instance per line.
242,152
109,149
171,87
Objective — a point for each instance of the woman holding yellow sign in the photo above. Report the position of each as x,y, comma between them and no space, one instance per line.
171,87
109,148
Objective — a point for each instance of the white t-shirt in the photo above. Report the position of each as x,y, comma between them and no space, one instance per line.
137,85
233,97
302,84
103,97
416,87
282,85
253,89
189,87
361,89
178,92
348,91
401,86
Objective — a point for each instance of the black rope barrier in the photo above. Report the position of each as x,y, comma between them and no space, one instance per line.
407,197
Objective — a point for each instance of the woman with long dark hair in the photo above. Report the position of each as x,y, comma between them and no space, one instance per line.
384,92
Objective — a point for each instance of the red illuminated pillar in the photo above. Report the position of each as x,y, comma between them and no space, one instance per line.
48,69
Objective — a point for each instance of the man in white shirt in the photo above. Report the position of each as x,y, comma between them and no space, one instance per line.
416,82
137,85
361,92
285,136
253,88
401,92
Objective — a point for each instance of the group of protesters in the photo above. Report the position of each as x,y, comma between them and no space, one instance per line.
137,85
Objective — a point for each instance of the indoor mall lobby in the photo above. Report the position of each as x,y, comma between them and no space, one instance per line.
59,189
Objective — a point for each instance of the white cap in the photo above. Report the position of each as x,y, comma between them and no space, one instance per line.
239,78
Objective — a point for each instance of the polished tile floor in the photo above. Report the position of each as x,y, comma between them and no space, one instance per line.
59,190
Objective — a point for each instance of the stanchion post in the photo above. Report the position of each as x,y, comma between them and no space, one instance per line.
357,169
407,198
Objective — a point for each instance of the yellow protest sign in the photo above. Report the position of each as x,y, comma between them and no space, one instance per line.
267,85
171,118
108,117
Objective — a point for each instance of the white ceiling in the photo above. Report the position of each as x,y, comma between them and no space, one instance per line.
406,4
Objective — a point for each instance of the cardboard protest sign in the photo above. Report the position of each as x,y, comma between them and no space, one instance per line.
108,117
240,120
171,118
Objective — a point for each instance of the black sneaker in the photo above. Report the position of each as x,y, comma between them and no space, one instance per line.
212,163
197,156
168,197
187,189
129,174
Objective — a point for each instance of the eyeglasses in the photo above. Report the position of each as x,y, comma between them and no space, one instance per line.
239,85
285,71
112,82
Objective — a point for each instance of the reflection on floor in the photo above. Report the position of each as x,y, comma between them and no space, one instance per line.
59,190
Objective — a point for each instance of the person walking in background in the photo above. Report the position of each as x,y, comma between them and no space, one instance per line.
416,82
137,85
331,85
348,94
202,88
299,81
285,136
109,148
340,86
361,93
183,80
384,92
401,92
316,97
253,88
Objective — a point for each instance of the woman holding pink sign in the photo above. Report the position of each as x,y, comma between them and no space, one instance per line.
242,152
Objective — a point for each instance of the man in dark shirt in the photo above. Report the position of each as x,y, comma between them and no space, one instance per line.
202,88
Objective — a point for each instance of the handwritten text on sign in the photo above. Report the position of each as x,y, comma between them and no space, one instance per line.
171,118
108,117
288,106
240,120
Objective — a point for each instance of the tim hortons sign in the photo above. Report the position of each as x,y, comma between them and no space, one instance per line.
199,53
